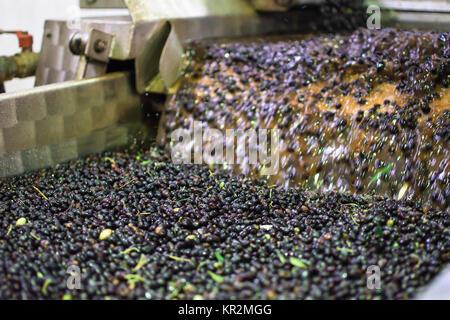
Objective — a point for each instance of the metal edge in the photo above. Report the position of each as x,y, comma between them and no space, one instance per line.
102,4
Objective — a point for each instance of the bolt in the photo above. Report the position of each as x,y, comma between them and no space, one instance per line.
77,43
100,46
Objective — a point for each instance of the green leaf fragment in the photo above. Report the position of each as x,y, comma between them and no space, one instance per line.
157,164
35,236
298,263
379,231
110,160
9,230
378,175
201,264
21,222
216,277
45,286
142,261
281,257
132,279
219,257
129,250
346,250
173,294
179,259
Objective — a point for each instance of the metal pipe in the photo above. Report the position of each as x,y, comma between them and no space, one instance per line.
21,65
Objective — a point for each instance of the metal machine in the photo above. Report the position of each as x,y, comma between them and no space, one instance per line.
90,72
90,75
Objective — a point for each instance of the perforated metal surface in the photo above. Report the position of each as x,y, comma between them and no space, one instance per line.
56,123
57,63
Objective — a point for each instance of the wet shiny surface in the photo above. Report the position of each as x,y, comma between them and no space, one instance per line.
361,113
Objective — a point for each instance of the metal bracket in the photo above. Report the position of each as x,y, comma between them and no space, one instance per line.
95,45
99,45
94,49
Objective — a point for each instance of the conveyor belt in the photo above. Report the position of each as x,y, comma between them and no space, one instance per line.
364,112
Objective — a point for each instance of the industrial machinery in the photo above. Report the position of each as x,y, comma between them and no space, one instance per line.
93,78
147,49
